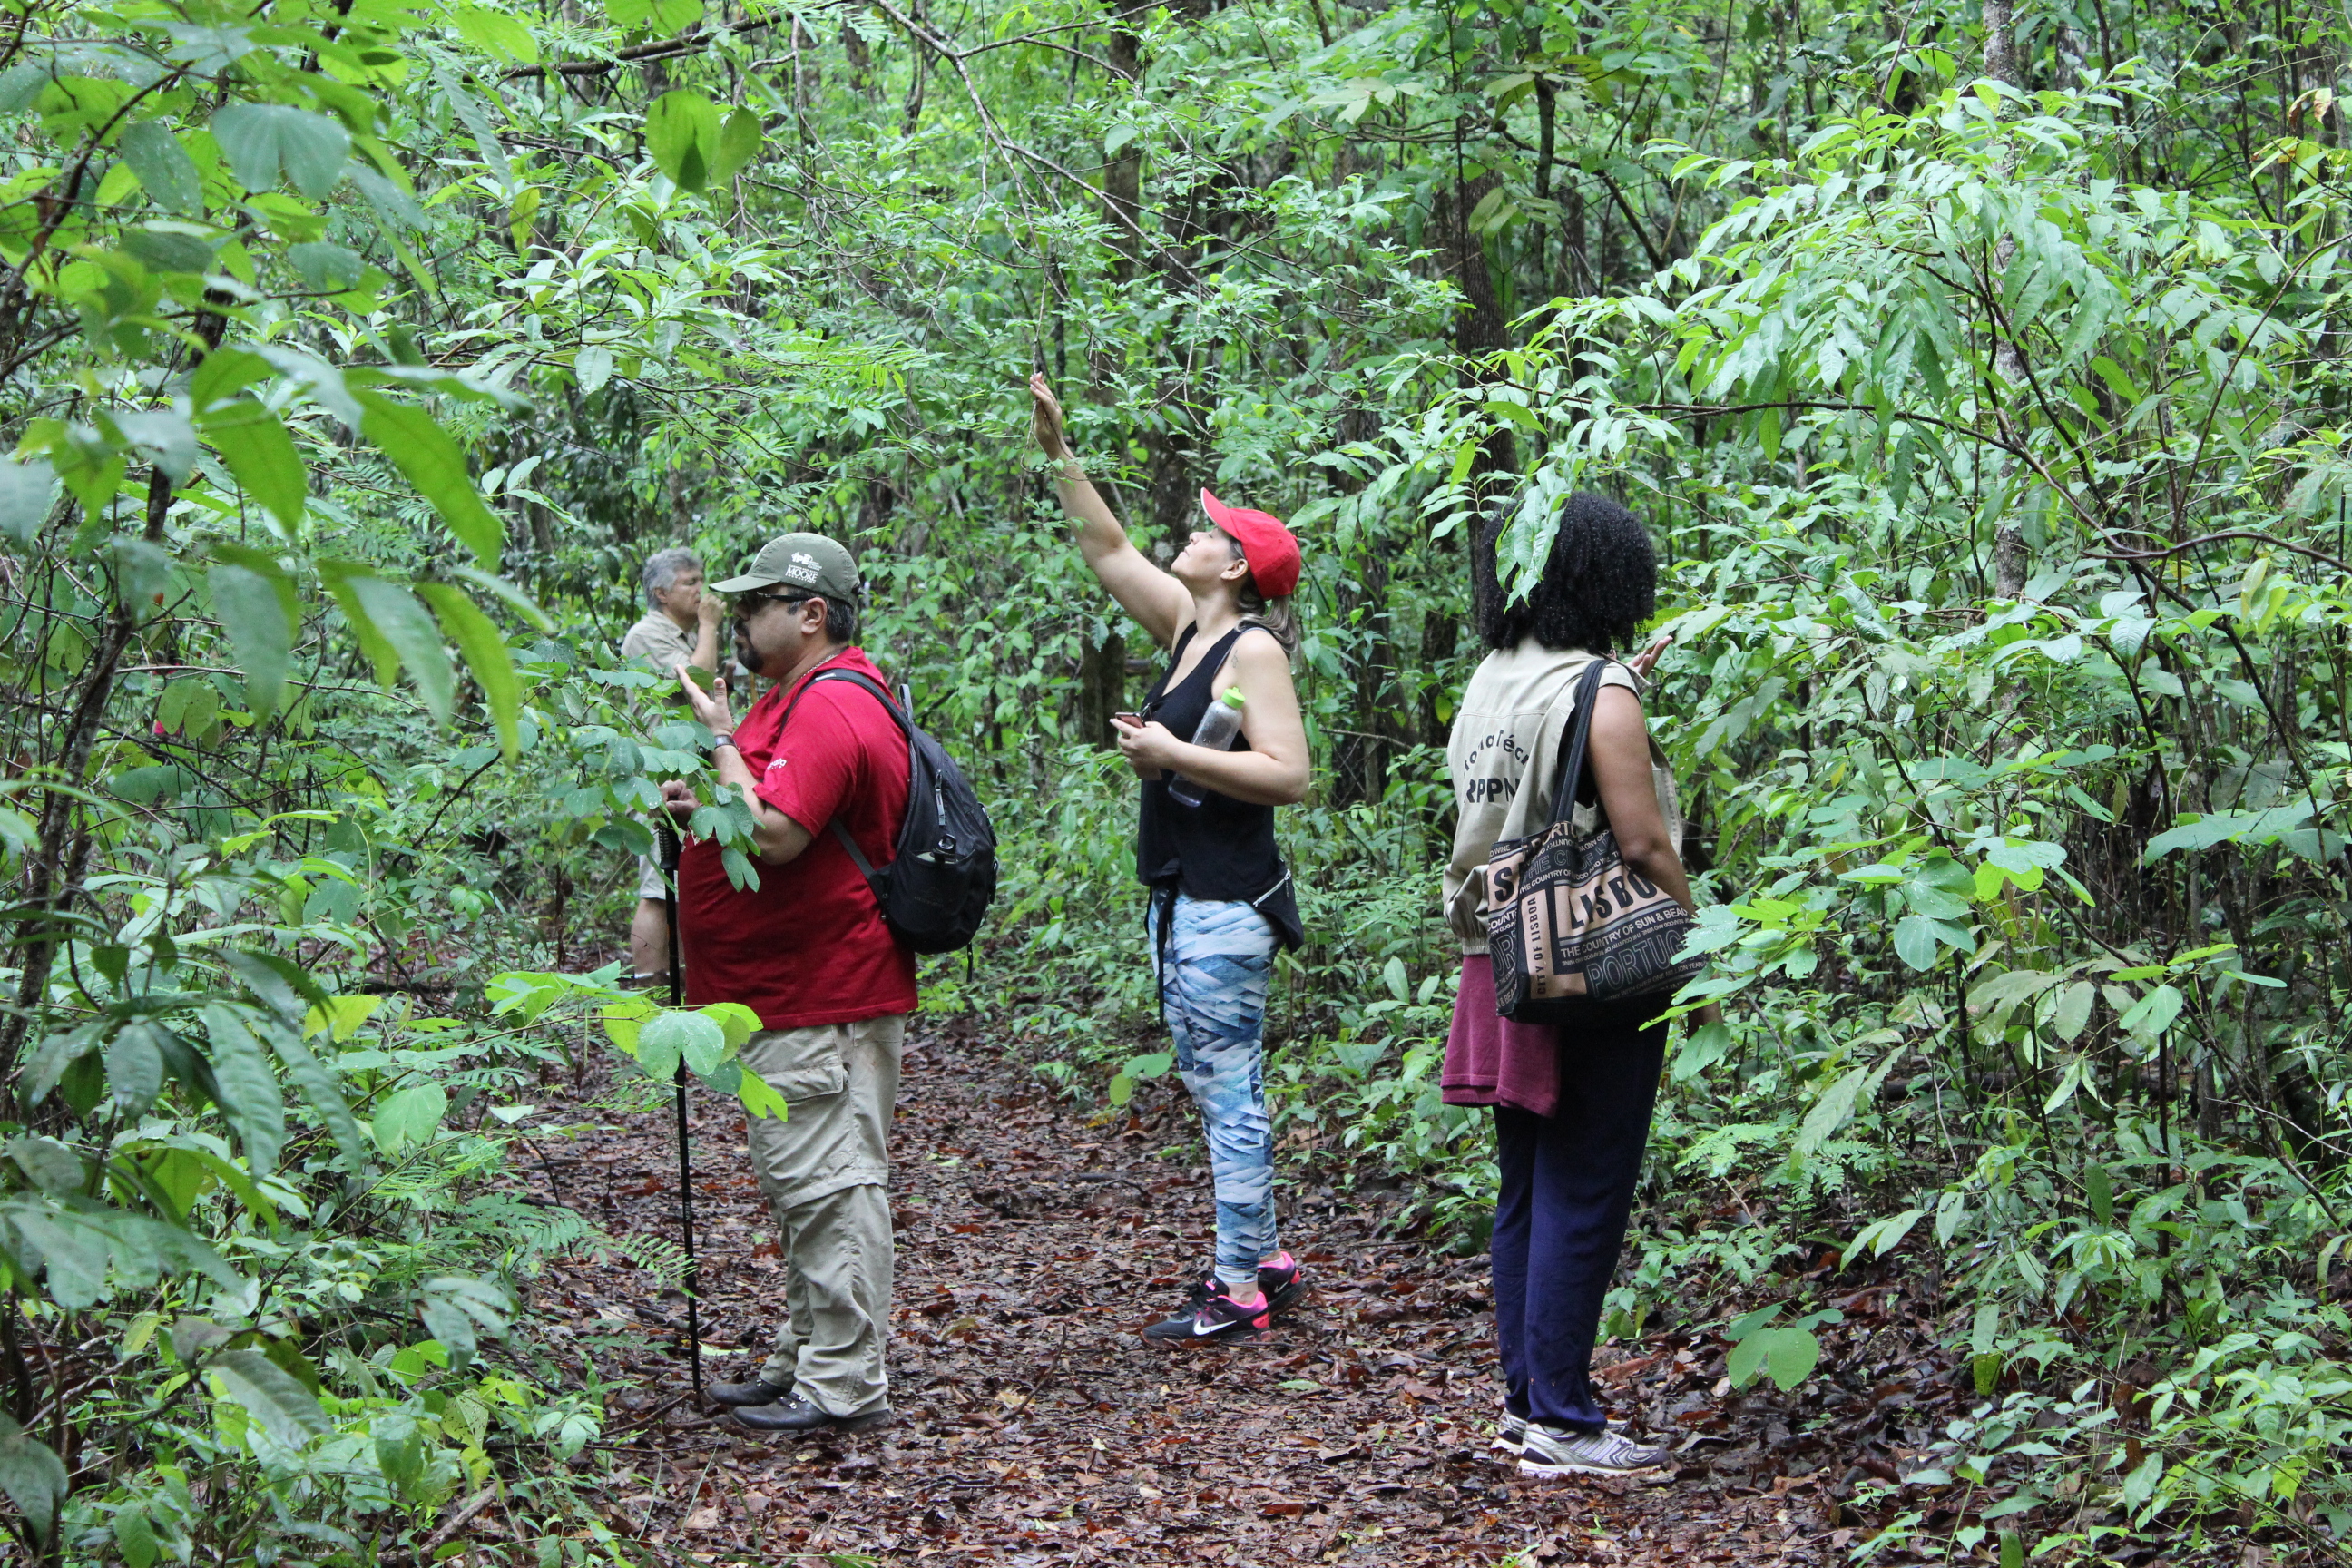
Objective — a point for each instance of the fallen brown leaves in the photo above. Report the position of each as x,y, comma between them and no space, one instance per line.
1033,1428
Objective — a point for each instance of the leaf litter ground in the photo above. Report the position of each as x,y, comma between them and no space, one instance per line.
1034,1427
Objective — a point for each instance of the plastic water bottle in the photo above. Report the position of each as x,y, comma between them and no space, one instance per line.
1219,726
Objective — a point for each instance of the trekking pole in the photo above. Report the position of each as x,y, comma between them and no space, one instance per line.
666,846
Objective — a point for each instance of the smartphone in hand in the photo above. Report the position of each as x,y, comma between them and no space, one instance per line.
1134,720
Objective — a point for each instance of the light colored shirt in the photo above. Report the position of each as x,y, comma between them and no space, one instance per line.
661,644
1504,758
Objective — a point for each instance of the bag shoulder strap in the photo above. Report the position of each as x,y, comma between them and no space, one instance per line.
1573,744
856,856
864,681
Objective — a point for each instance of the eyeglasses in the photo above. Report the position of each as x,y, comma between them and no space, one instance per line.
750,608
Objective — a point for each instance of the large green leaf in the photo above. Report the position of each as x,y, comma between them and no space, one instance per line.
318,1086
432,461
282,985
326,267
739,1021
78,1242
250,1095
168,250
272,1396
27,490
339,576
682,132
261,139
164,167
134,1537
254,444
486,655
2073,1010
224,374
395,615
53,1056
664,16
675,1036
1788,1352
134,1067
739,144
33,1477
410,1116
457,1306
1915,941
660,1045
499,33
758,1097
51,1166
253,608
1791,1355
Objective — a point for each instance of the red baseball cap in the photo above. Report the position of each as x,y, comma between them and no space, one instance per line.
1270,549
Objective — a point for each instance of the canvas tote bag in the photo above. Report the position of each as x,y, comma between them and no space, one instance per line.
1567,922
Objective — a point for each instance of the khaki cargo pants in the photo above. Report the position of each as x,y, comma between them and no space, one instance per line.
825,1170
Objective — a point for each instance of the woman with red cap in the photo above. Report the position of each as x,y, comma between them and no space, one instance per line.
1220,897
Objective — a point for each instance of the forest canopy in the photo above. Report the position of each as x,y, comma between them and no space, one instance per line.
1980,370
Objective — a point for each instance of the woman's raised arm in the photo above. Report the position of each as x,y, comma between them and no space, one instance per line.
1157,601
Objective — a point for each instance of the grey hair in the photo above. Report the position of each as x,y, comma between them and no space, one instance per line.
662,567
1275,615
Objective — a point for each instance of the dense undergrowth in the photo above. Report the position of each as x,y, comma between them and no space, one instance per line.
1982,373
2143,1317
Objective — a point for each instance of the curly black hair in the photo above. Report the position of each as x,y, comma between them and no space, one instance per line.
1599,586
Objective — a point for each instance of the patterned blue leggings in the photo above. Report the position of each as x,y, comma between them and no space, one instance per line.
1212,960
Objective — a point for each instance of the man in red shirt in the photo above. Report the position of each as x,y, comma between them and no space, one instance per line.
808,952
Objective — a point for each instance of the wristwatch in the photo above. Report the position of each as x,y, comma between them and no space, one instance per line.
722,740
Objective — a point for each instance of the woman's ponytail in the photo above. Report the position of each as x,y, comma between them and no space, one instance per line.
1275,615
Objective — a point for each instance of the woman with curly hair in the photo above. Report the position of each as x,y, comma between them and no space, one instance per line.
1571,1101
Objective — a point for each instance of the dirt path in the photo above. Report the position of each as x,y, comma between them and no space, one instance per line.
1035,1427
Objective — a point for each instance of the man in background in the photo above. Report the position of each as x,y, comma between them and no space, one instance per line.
680,628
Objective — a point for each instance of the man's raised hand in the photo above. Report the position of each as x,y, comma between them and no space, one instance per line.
710,707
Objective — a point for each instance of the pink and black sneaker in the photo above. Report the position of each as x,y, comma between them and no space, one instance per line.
1279,1282
1211,1316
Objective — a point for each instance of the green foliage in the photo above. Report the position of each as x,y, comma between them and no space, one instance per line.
1992,435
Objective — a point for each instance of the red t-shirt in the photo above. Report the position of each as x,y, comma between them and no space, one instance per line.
808,945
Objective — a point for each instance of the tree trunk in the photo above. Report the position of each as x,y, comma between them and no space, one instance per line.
1479,328
1374,726
1122,179
53,872
2013,562
1102,686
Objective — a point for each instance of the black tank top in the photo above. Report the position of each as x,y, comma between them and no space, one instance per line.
1222,849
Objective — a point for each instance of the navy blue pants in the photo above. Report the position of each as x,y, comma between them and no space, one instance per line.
1567,1189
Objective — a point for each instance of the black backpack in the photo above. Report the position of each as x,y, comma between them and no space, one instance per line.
935,892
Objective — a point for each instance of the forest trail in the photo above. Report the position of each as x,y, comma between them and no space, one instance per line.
1035,1427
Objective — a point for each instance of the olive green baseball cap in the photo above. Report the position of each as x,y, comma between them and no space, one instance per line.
809,563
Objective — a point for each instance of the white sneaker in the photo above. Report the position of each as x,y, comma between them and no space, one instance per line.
1510,1435
1553,1451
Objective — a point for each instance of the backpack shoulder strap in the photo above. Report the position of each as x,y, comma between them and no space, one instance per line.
867,681
841,834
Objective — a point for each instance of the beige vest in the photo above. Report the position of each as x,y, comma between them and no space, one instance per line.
661,644
1503,758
